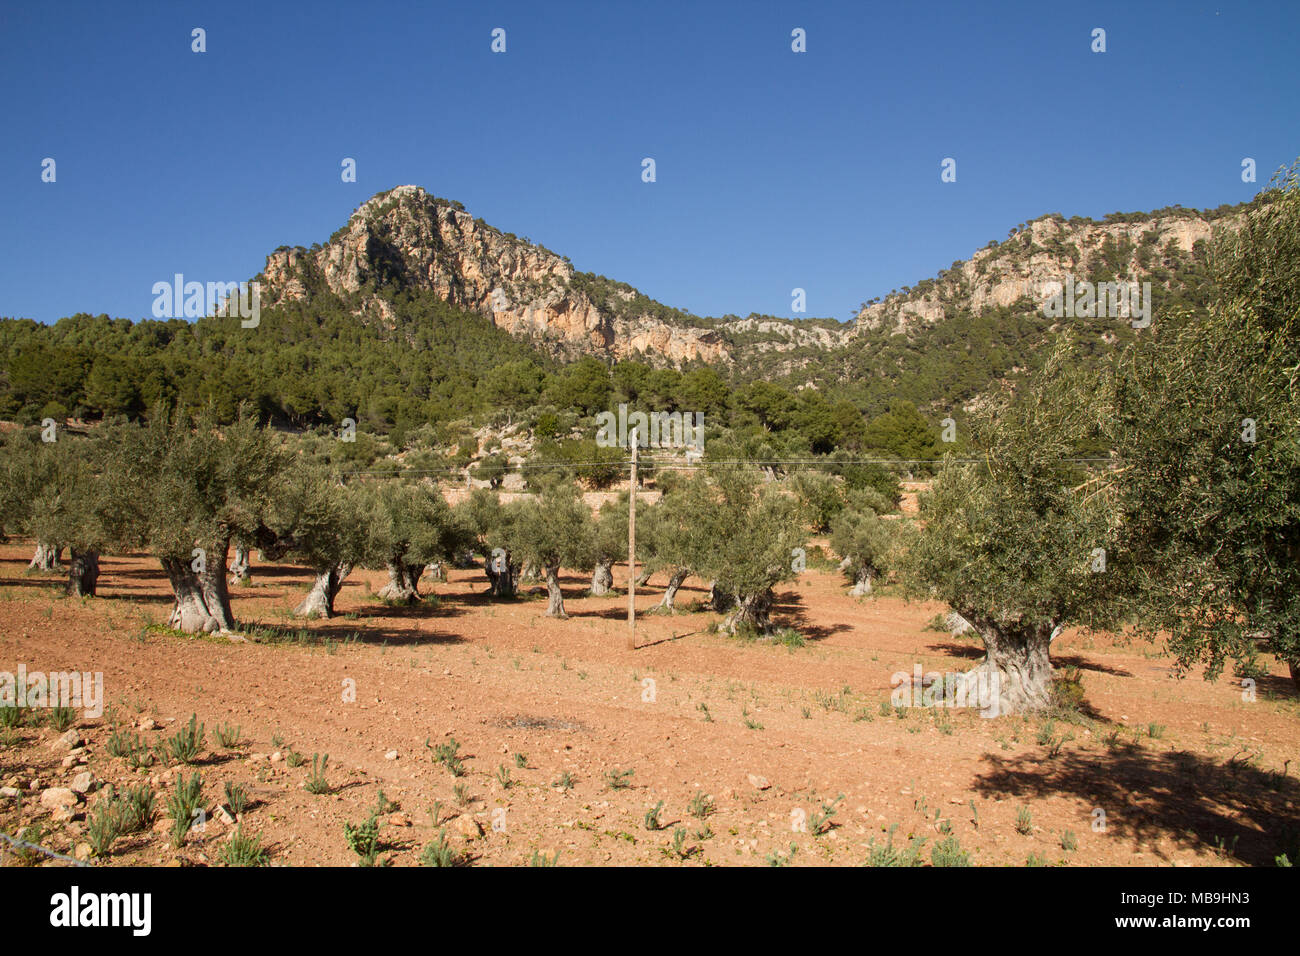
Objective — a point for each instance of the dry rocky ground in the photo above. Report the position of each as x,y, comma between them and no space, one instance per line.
1186,772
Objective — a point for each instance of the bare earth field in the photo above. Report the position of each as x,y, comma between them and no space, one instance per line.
1192,774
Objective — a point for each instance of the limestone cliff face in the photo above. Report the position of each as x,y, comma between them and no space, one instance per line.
1032,263
414,240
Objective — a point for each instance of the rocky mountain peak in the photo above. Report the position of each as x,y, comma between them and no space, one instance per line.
407,238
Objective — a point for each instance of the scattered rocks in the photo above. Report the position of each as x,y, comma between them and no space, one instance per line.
147,723
399,820
68,741
467,827
10,792
82,852
759,782
83,782
222,814
56,797
391,755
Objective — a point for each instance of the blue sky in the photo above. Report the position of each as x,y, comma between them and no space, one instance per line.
775,170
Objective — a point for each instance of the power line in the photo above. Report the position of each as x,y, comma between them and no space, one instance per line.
33,846
675,464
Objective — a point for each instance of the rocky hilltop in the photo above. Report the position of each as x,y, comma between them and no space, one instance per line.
407,239
1029,266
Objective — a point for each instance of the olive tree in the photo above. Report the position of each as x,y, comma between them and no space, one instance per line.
868,543
183,488
608,542
747,535
28,468
1018,544
50,493
325,523
1207,420
669,541
554,529
490,525
820,495
69,512
407,526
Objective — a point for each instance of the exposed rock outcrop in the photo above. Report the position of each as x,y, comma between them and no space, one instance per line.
408,238
1031,264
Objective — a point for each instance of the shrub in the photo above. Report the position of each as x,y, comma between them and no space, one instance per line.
185,745
440,853
890,856
948,852
243,850
316,783
363,840
182,804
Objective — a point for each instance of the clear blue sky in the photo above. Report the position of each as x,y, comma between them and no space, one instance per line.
775,170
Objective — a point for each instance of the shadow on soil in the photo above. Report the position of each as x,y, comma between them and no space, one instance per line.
1231,807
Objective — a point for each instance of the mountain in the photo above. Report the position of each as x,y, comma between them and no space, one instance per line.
416,314
953,337
407,239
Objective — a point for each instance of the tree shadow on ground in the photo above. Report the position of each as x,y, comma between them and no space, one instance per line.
968,652
640,644
420,610
107,569
1074,660
1273,687
788,610
1193,800
124,592
37,582
342,631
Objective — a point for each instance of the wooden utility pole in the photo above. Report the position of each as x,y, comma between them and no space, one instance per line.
631,549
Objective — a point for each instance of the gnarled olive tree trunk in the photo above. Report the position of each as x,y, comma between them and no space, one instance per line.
1295,673
1017,664
669,601
239,567
862,582
720,599
555,597
503,576
202,601
751,610
602,578
403,585
319,601
83,573
46,557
